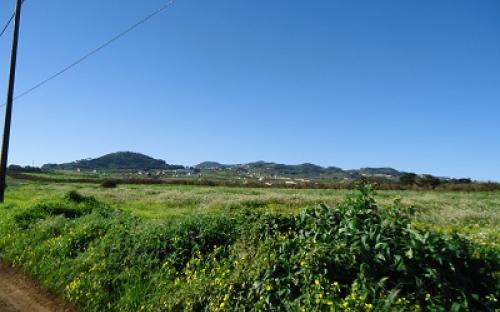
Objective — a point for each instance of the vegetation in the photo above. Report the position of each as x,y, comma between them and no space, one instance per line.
135,168
354,256
114,161
137,161
476,214
16,168
228,178
306,170
109,184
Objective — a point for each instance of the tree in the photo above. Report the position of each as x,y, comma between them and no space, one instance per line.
408,178
429,181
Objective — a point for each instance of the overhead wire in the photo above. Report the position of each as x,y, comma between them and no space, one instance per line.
7,25
9,22
97,49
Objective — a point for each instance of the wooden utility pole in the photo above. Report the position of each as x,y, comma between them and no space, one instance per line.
10,98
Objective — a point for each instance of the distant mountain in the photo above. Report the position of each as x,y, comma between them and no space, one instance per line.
306,170
136,161
115,161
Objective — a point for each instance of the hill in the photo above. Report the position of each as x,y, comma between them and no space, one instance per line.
306,170
115,161
137,161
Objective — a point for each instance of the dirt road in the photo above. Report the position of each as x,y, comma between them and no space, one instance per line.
18,294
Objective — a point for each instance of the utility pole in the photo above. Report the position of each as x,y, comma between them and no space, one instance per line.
10,98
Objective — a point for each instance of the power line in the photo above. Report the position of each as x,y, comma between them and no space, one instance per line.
7,25
8,22
94,51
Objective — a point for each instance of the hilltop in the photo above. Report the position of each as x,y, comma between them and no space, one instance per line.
114,161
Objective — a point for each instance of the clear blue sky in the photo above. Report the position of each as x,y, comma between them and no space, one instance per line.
414,85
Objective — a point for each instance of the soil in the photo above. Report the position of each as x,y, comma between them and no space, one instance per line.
19,294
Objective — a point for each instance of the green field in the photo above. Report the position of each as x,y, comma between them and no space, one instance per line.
471,213
178,247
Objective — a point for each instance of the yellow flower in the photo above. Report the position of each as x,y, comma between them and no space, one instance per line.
492,298
317,282
427,297
336,285
368,306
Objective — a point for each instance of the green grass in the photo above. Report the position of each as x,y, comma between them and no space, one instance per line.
476,214
184,248
157,247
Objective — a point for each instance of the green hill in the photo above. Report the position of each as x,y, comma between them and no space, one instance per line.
115,161
306,170
137,161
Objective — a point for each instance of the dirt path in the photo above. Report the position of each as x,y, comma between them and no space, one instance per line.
18,294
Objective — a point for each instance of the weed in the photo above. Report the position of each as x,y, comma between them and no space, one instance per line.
356,256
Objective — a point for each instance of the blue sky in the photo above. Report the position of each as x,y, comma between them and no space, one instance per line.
414,85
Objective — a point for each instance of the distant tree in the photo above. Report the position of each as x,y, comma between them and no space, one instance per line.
109,184
15,168
32,169
428,180
174,167
23,169
408,178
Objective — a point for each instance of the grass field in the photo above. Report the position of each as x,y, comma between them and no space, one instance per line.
196,248
476,214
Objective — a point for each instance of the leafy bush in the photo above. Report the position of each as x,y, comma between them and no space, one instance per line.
109,184
354,257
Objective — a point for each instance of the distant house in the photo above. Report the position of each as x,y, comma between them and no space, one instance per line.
186,172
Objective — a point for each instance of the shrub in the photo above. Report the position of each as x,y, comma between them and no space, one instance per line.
408,179
109,184
428,180
354,257
74,196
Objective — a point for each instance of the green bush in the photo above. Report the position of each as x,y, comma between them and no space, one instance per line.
354,257
109,184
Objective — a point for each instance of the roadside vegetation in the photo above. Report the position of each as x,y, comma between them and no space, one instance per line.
347,255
